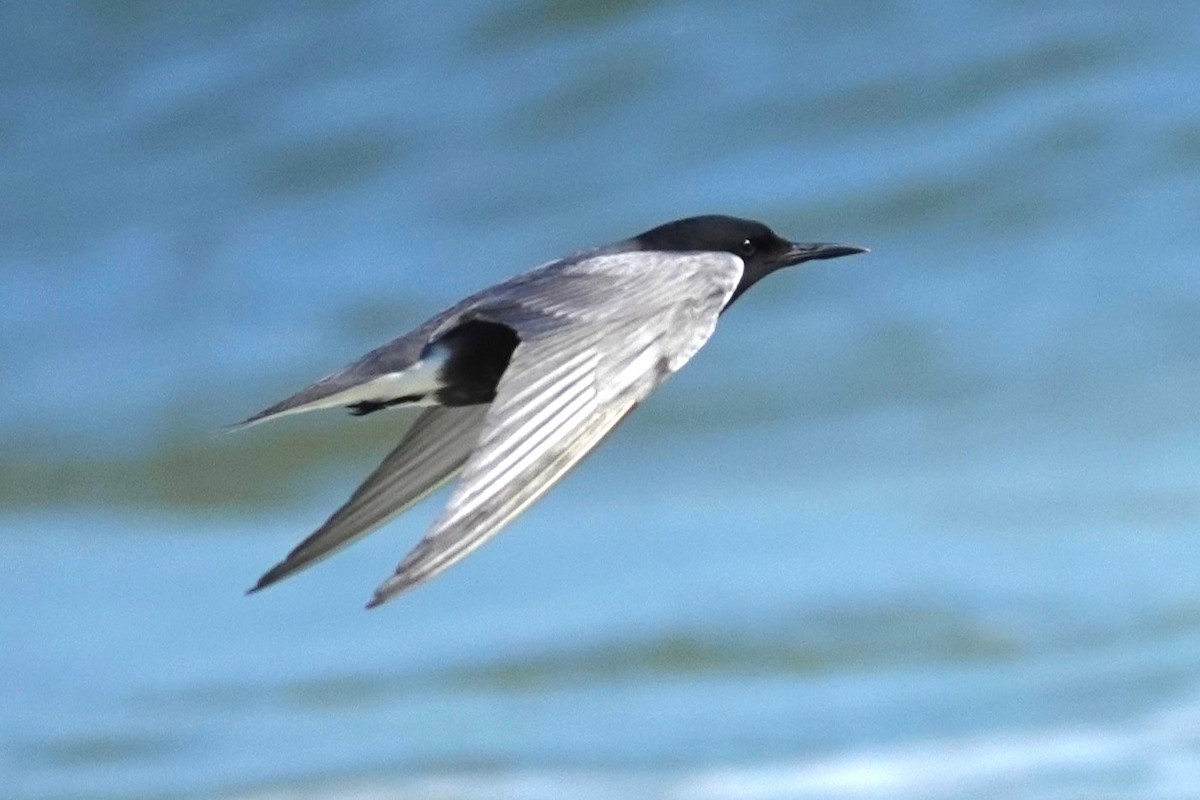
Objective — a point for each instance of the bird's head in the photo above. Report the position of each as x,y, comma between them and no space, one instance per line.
761,250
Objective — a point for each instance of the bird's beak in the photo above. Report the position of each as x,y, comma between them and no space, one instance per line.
811,251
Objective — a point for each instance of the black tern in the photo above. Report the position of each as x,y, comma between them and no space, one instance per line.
520,381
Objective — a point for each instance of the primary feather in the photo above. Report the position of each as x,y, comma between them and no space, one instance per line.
430,453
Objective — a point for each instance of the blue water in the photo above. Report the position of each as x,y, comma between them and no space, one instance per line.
916,524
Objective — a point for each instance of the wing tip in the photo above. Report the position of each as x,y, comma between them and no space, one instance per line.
387,591
235,427
271,576
265,415
404,579
309,399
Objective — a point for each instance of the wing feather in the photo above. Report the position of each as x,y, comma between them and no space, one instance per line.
581,366
430,453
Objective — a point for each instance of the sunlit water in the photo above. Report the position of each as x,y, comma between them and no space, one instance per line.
915,524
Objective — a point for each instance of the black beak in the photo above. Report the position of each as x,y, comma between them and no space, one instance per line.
811,251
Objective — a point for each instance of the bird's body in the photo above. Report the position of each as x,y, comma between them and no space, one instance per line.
520,381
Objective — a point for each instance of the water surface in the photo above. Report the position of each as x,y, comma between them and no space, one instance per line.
915,524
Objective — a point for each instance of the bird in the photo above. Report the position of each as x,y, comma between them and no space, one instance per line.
516,383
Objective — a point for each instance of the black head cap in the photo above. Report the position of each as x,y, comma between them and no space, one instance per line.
762,250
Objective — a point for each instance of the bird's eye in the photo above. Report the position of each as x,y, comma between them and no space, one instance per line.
747,248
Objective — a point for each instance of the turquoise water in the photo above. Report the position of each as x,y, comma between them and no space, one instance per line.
915,524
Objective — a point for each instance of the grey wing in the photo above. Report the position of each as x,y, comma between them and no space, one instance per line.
430,453
575,374
384,372
394,370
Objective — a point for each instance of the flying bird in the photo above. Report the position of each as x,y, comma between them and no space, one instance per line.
518,382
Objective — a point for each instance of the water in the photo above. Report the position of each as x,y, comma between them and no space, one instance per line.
914,524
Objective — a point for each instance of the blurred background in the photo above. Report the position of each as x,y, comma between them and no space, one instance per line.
915,524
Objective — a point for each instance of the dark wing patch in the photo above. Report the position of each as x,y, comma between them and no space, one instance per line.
477,352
